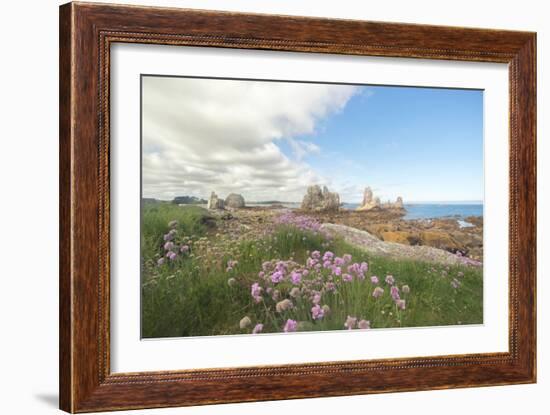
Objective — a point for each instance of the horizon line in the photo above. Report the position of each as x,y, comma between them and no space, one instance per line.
413,202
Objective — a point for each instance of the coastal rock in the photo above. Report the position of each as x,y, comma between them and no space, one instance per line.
369,201
235,201
400,237
399,203
441,240
373,203
318,200
371,244
215,202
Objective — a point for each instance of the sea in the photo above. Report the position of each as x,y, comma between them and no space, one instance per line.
458,211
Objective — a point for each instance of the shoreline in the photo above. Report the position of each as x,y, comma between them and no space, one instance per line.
388,225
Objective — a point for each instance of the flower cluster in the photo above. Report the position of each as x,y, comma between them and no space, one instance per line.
352,323
288,289
172,250
302,222
394,292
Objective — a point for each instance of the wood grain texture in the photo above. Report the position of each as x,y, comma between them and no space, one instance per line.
86,33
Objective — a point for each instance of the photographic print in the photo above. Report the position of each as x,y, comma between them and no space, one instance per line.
281,207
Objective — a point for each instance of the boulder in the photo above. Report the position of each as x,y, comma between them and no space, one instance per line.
215,202
235,201
318,200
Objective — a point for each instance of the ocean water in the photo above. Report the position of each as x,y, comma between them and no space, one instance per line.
458,211
431,211
436,210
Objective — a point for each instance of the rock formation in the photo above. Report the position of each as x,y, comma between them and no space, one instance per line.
373,203
369,202
234,200
214,202
369,243
318,200
399,203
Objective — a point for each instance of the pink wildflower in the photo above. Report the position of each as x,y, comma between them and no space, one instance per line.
277,277
350,322
328,256
290,326
295,277
317,312
390,280
374,279
330,286
256,292
258,328
394,291
364,324
378,291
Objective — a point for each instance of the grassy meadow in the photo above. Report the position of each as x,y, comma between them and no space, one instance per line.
199,281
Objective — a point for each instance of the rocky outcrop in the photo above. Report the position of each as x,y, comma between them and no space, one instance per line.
318,200
400,237
399,203
441,240
373,203
369,202
215,202
234,201
371,244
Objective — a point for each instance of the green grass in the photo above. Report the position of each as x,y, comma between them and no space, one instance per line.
191,296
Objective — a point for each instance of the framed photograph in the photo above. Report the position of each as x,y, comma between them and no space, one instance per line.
259,207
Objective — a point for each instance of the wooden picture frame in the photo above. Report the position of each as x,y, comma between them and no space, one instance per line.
86,33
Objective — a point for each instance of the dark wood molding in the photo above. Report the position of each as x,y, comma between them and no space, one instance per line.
86,33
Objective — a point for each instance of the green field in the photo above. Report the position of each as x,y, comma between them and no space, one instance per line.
206,288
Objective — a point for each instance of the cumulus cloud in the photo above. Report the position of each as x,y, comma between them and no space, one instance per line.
203,135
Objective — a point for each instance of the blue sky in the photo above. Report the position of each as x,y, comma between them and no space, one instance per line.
271,140
424,144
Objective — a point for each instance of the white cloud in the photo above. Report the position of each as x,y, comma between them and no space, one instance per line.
302,148
203,135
